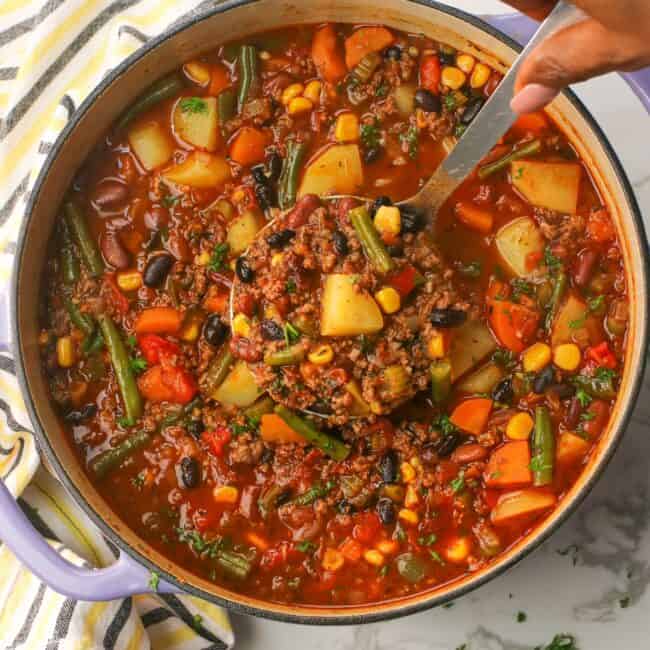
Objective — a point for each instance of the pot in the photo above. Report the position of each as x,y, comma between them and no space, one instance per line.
131,573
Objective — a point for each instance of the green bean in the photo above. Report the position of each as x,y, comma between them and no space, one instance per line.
234,564
248,74
288,182
218,370
370,240
559,288
543,448
83,321
121,366
226,106
162,89
69,260
89,251
528,149
93,343
333,447
598,387
263,406
101,465
440,372
317,491
267,500
287,357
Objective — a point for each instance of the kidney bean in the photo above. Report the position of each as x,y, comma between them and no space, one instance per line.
585,267
300,212
469,453
157,268
388,466
573,414
114,253
156,217
245,349
110,194
190,472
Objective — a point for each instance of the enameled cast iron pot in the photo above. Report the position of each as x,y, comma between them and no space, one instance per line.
234,19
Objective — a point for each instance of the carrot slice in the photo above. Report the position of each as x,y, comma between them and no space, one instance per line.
249,146
533,123
219,79
274,429
327,56
513,324
366,40
472,415
158,320
509,465
480,220
521,503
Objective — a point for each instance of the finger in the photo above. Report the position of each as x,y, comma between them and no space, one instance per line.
537,9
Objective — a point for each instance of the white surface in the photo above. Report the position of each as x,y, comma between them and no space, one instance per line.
611,528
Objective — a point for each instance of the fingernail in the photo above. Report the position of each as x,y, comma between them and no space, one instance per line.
533,97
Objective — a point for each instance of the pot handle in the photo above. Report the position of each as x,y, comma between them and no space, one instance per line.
521,28
124,578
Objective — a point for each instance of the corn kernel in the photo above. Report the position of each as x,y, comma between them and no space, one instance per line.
388,300
322,355
203,259
375,407
465,62
408,473
347,128
537,357
312,91
453,78
388,220
480,75
520,426
198,72
416,463
408,516
271,312
567,356
436,348
412,498
228,494
374,557
299,105
332,559
276,258
457,550
394,492
291,92
129,280
65,355
265,56
241,326
387,546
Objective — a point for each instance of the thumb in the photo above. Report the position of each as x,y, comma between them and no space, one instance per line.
573,54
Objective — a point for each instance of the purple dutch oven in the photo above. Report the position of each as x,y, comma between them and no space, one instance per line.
487,40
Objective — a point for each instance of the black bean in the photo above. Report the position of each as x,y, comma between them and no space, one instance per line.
396,250
190,472
446,444
271,331
244,272
267,455
259,174
543,380
280,238
412,220
427,101
503,392
157,268
274,164
388,466
447,58
78,416
563,391
321,407
215,330
472,109
378,203
340,242
447,317
195,428
283,497
265,195
371,155
345,507
386,511
393,53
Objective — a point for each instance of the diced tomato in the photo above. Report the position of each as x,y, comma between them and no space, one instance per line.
168,383
271,559
366,528
430,73
328,580
405,280
217,439
602,355
154,346
351,550
598,411
313,457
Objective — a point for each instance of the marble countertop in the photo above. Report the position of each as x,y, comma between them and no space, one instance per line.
592,578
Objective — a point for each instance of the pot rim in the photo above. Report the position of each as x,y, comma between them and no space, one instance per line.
392,609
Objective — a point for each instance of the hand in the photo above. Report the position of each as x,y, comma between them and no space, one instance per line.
614,36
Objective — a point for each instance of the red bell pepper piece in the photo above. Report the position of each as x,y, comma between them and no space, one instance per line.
154,347
217,439
406,280
430,73
602,355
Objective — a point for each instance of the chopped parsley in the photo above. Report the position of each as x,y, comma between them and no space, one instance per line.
371,135
553,263
450,103
383,572
521,617
306,546
537,464
291,333
131,342
291,286
428,540
154,581
382,90
605,374
199,544
317,491
595,303
193,105
400,534
137,364
436,556
583,397
169,200
578,323
125,422
366,344
219,257
520,287
460,130
504,358
138,481
573,550
410,138
249,425
443,424
458,483
586,417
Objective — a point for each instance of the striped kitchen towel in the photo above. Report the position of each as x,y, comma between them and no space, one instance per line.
52,53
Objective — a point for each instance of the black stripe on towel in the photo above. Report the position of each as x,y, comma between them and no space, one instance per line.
22,635
62,625
117,624
155,616
16,460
